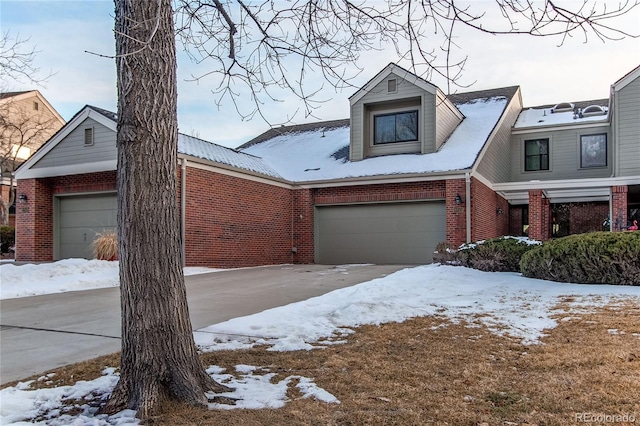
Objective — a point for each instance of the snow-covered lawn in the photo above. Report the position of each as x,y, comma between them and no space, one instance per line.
505,302
62,276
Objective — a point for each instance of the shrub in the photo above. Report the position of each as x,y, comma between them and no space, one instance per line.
105,246
7,238
446,254
495,255
593,258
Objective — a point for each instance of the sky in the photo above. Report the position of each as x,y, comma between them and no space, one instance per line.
63,31
506,303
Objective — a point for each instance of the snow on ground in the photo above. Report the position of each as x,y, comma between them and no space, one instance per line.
62,276
507,303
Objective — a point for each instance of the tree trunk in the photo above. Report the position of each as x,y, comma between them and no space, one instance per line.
159,360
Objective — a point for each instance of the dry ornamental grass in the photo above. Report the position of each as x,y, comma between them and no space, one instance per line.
430,371
105,246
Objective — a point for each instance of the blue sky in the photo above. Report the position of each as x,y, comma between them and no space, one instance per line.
63,30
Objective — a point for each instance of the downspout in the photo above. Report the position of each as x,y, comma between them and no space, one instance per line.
183,210
614,153
467,180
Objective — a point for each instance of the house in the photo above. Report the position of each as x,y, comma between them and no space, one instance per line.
27,121
410,168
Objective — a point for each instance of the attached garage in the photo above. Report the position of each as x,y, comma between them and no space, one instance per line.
78,219
385,233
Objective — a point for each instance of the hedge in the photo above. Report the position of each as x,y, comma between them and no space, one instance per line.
593,258
7,238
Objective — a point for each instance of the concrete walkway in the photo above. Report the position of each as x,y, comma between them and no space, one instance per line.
41,333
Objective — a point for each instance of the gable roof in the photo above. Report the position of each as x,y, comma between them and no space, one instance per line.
319,152
187,145
626,79
25,94
384,73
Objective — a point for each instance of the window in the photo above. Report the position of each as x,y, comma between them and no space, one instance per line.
536,155
395,127
593,151
88,136
36,106
392,85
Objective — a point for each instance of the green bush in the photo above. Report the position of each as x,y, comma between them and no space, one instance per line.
495,255
593,258
7,238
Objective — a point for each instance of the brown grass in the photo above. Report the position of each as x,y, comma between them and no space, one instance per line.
105,246
429,371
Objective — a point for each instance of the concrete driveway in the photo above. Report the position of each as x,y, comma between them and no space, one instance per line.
41,333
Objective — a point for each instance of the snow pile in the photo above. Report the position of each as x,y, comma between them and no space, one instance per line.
507,303
64,275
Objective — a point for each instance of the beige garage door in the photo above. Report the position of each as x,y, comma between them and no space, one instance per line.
394,233
79,219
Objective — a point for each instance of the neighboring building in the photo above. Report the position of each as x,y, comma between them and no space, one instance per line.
412,167
27,121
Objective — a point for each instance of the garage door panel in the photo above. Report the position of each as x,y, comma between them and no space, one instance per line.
79,219
379,233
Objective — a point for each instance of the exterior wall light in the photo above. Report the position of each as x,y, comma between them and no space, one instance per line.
458,199
499,211
22,198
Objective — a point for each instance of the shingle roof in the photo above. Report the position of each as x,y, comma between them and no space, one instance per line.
296,128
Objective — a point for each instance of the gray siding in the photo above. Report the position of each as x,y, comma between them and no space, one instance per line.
627,120
71,149
446,120
378,99
564,155
498,153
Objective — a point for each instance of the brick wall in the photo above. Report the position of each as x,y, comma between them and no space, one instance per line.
619,202
232,222
34,219
303,226
456,213
488,221
381,192
538,215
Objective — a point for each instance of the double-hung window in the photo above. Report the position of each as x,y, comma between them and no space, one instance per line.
536,155
593,150
395,127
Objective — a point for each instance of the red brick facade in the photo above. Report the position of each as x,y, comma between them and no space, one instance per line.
34,218
232,221
619,203
490,212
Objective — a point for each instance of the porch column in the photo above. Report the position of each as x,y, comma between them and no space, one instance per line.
619,207
538,215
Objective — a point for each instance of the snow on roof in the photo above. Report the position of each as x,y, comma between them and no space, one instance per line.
195,147
322,154
542,116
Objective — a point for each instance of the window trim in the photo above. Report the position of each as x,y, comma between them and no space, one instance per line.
524,156
93,136
606,151
375,115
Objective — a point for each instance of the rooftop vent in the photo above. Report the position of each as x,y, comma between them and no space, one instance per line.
562,107
593,110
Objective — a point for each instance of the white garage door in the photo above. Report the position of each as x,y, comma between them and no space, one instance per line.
79,219
394,233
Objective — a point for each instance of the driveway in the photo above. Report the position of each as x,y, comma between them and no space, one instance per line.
41,333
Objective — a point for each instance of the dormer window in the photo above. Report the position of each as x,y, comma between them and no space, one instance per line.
562,107
395,127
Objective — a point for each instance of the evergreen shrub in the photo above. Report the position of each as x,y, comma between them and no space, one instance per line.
592,258
7,238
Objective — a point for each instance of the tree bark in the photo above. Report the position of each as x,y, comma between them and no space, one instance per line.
159,359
